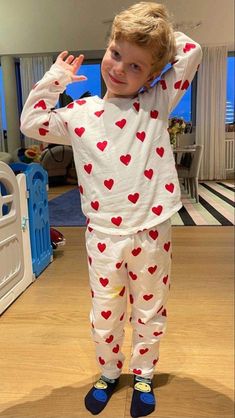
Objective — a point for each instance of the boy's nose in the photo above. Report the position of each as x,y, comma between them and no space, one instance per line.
119,68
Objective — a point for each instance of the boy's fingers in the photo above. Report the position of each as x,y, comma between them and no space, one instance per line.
80,58
79,78
63,54
69,59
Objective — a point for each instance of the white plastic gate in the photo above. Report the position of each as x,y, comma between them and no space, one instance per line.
15,253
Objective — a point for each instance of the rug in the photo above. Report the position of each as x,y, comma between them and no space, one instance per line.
215,207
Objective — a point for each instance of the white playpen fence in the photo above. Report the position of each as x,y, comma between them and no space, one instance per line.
15,252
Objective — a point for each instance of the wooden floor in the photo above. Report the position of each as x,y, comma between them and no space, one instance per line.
47,360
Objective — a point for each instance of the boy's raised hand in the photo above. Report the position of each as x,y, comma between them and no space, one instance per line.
71,64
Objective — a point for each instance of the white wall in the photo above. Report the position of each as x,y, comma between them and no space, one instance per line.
44,26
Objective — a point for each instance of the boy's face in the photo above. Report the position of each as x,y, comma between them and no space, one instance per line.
125,68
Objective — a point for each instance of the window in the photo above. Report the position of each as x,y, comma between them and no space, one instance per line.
184,108
91,85
230,96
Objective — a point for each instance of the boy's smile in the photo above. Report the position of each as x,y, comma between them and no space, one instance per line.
126,68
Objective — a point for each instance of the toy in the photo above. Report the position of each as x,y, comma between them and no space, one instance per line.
57,239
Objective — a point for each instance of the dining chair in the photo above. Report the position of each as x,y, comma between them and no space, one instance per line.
186,139
190,174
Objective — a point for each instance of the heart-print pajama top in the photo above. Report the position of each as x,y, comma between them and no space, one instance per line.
122,152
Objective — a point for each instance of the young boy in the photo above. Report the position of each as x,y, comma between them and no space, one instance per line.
128,184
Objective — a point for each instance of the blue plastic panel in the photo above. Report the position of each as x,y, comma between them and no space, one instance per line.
37,180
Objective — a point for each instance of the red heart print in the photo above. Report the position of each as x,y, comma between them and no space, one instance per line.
41,104
80,102
101,361
116,221
90,229
122,316
170,187
109,339
152,269
88,168
137,371
116,349
43,131
81,189
154,114
143,351
157,210
95,205
141,136
90,260
160,151
141,322
155,361
160,309
131,299
104,281
156,334
132,275
118,265
148,297
136,106
125,159
70,105
177,84
153,234
163,84
109,183
148,173
101,246
46,123
106,314
188,47
164,313
136,251
122,291
185,85
167,246
119,364
79,131
121,123
102,145
99,113
165,279
133,197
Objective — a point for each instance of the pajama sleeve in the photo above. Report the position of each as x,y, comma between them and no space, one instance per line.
39,119
177,79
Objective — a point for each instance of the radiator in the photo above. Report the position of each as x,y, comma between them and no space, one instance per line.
229,154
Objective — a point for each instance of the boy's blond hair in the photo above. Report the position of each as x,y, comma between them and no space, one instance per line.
147,25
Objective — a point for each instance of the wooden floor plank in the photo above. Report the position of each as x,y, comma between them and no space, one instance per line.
47,361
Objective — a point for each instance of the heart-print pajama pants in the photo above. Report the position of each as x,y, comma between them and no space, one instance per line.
138,265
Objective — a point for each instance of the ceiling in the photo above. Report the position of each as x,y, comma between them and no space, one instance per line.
45,26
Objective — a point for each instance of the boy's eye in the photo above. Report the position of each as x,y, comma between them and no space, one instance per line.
135,67
115,54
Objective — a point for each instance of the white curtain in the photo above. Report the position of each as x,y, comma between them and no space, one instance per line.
32,70
211,108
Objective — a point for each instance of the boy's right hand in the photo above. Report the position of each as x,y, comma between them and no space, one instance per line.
71,65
